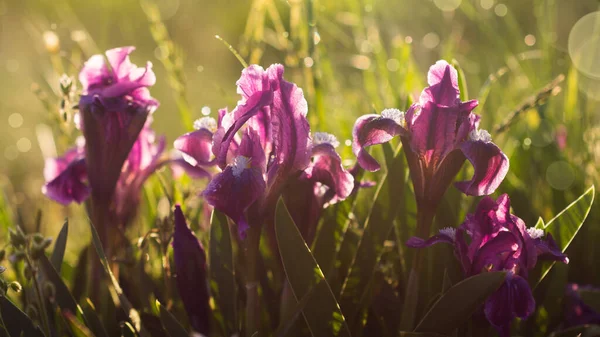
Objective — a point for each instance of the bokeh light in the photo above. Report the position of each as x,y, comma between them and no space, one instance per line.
584,45
447,5
560,175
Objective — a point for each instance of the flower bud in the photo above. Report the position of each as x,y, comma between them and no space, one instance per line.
15,286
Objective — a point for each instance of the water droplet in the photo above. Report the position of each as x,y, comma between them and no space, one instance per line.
501,10
530,40
24,145
584,45
431,40
560,175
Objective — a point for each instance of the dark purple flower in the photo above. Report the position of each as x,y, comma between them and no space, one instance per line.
190,274
261,146
576,311
114,106
323,182
499,241
438,132
66,177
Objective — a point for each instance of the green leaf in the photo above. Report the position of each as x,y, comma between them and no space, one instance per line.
462,82
78,329
222,273
16,322
93,319
591,297
540,223
133,315
59,247
459,302
63,296
321,312
377,228
579,331
127,330
170,323
565,226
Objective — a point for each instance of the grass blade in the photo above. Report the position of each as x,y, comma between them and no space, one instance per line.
60,244
222,273
170,323
459,302
322,312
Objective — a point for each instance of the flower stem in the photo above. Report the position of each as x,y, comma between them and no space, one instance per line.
424,220
41,300
251,250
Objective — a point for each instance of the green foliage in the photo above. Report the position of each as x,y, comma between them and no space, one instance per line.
321,311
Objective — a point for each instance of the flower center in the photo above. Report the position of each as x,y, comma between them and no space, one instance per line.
449,231
395,115
325,138
480,135
535,233
207,123
240,163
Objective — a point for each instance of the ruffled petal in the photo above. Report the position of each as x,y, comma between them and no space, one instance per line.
191,277
196,146
327,169
443,85
69,185
290,128
245,111
372,130
180,166
490,164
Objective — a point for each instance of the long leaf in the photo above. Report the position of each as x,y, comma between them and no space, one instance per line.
93,319
16,322
133,315
565,225
79,330
322,312
459,302
378,225
63,296
170,323
59,247
222,274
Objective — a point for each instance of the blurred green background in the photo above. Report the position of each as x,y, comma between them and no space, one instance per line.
351,57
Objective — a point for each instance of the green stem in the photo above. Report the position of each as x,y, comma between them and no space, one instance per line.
251,250
40,298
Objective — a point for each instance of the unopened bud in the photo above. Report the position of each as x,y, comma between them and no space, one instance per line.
66,84
15,286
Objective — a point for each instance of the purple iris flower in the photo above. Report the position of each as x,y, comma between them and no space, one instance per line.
499,241
439,133
67,176
114,106
191,277
576,311
261,146
323,182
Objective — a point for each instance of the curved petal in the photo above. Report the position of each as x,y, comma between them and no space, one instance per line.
547,249
196,145
290,128
190,268
416,242
94,73
253,79
118,58
490,164
69,185
372,130
234,190
327,169
443,85
179,166
512,299
246,110
493,254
